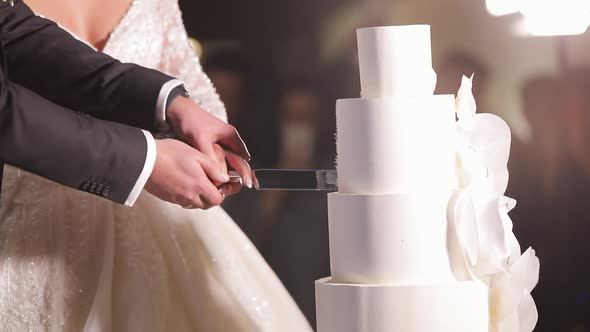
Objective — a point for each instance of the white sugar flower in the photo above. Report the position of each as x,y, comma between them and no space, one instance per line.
484,246
465,104
484,231
512,308
484,143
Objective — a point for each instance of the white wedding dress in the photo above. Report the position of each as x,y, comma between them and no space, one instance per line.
70,261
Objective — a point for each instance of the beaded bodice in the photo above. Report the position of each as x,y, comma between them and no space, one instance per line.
152,34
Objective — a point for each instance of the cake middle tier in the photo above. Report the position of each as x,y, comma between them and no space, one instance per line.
396,145
398,239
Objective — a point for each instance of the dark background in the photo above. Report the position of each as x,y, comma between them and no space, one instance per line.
274,67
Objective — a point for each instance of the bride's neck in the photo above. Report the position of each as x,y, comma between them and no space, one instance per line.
91,20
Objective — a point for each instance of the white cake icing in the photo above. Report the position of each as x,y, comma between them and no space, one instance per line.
388,225
456,307
395,60
395,144
396,239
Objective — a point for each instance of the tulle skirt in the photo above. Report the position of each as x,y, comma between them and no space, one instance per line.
70,261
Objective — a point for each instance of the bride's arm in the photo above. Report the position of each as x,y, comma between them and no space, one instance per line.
180,60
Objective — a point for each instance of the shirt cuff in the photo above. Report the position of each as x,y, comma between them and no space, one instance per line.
161,123
148,167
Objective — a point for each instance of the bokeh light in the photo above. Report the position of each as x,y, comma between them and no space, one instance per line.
545,17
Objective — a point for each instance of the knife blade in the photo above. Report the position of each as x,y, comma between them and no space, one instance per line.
292,179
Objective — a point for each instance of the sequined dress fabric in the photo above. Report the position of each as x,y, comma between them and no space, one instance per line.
70,261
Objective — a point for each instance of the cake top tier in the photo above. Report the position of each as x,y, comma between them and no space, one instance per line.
395,60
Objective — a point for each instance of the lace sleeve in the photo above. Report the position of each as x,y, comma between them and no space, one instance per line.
179,60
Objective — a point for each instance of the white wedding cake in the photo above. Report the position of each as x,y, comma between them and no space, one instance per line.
409,248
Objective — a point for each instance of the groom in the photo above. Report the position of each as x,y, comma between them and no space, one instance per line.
105,146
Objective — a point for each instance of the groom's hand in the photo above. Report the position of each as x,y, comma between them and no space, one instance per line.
185,176
230,160
202,130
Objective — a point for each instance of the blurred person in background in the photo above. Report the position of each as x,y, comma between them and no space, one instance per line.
249,101
549,183
80,263
277,221
299,126
298,131
577,181
578,116
292,216
535,180
228,68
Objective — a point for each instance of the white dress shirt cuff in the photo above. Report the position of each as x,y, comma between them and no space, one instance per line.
148,167
161,123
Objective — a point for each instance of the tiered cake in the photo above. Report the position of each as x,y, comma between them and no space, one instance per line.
389,253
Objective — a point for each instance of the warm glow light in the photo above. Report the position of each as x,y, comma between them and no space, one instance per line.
546,17
555,17
557,26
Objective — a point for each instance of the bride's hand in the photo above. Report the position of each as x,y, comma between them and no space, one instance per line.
185,176
228,159
202,130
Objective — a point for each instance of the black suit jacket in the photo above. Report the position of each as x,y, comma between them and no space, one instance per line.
45,74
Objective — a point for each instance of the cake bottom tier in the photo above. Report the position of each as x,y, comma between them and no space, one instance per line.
458,307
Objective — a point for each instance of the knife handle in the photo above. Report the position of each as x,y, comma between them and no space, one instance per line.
234,177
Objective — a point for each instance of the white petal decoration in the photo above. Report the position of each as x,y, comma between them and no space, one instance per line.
466,230
433,79
527,314
465,102
531,269
512,295
462,255
493,252
490,137
527,310
482,244
473,166
506,205
504,298
509,323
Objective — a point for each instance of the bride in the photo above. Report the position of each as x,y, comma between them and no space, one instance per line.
74,262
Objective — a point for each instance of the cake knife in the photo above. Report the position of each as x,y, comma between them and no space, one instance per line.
291,179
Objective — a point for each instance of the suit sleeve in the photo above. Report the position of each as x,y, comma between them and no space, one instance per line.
50,62
69,148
